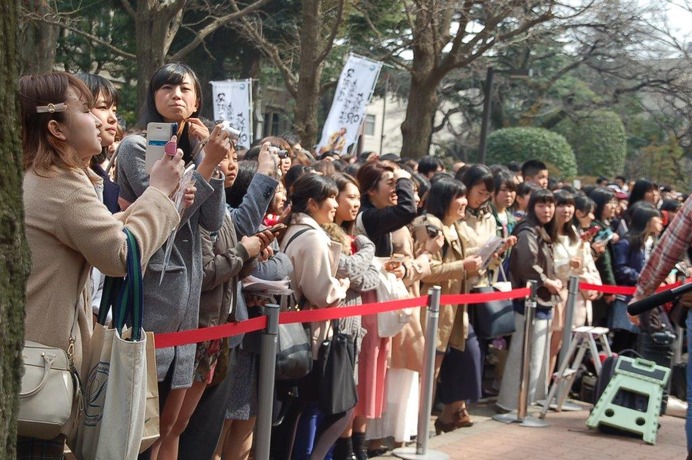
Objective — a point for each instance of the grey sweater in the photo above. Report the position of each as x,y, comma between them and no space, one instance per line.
173,305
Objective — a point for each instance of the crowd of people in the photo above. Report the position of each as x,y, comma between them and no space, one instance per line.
347,218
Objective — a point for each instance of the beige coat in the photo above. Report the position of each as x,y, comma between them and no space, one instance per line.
315,259
477,230
447,271
69,230
408,347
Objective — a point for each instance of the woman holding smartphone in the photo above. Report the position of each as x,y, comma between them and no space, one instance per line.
532,260
629,257
458,358
172,288
315,259
603,250
68,228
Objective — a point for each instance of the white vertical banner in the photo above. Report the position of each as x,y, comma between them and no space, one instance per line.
353,93
233,103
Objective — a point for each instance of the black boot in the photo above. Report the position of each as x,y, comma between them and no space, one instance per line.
343,450
359,447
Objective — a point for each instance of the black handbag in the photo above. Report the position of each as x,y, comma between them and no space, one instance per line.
336,386
293,352
492,319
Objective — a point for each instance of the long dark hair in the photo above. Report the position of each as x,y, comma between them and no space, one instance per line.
236,192
441,194
638,191
369,175
541,195
475,175
342,180
564,198
170,74
100,86
307,186
601,196
583,204
641,213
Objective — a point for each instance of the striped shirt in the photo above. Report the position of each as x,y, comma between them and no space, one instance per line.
670,249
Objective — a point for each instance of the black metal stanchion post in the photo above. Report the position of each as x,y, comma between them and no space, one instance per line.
521,416
266,383
428,381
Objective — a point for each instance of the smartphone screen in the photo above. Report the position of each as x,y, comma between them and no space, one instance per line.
158,134
604,235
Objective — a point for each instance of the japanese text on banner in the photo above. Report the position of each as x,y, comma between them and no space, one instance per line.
347,113
233,103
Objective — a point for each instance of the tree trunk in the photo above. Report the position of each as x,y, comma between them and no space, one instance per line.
14,263
417,128
155,28
310,73
38,41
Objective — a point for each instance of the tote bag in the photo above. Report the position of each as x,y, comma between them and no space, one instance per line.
494,318
337,387
390,323
113,421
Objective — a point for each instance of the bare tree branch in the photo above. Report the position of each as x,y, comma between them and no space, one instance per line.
91,37
329,42
214,25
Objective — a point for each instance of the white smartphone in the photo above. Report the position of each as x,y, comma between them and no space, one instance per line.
158,134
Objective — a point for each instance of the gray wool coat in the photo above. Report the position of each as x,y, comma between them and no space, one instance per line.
173,305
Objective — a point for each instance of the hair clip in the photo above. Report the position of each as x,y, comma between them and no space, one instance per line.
51,108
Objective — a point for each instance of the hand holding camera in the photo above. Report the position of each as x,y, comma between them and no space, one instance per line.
216,149
266,160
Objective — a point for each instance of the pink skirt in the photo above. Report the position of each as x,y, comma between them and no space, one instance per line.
372,366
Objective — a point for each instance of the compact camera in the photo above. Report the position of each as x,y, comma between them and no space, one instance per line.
279,152
233,133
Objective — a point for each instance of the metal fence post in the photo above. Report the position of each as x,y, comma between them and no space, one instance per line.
427,385
573,290
520,416
267,373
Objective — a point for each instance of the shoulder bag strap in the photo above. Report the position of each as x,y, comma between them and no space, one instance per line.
296,235
131,298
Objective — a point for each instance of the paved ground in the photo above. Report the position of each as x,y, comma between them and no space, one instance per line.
566,437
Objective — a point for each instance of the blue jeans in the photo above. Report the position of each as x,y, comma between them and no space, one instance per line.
688,419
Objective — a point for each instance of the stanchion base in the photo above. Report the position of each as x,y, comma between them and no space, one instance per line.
528,421
567,406
409,453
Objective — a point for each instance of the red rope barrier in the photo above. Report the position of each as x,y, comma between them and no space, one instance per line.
624,290
483,297
327,314
173,339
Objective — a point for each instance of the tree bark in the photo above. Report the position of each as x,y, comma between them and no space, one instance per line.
14,259
417,128
309,74
156,25
38,42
